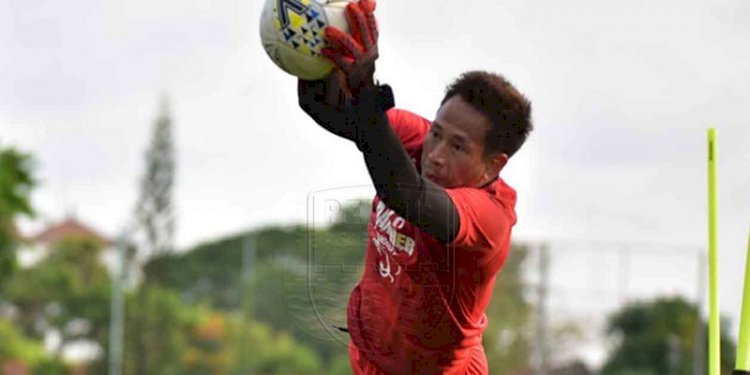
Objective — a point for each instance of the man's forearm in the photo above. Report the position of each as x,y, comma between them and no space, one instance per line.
395,177
398,182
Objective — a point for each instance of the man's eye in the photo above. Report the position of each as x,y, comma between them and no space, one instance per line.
458,147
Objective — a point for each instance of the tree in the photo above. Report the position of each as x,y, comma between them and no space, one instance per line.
507,340
154,210
67,292
222,344
658,337
274,352
197,339
14,346
278,292
16,184
22,352
155,221
166,339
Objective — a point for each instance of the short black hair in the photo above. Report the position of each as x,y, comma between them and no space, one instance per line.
507,109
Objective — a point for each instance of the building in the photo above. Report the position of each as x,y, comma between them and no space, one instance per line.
37,246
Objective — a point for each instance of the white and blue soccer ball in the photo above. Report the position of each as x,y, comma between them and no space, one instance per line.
292,33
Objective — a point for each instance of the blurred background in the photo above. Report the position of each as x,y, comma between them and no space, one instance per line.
166,208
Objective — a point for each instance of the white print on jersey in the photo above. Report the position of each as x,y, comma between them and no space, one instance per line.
388,240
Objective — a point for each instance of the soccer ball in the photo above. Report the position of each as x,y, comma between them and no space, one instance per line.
292,33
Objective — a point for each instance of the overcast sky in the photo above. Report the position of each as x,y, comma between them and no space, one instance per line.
622,93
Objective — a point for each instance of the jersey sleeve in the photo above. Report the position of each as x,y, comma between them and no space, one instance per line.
485,220
409,127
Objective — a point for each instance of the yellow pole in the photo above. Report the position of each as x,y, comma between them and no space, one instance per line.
714,333
743,349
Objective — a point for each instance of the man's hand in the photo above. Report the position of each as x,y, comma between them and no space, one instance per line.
354,55
325,102
326,91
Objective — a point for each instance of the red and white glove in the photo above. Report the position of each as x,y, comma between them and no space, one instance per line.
354,55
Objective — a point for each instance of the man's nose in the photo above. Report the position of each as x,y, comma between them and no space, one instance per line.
436,156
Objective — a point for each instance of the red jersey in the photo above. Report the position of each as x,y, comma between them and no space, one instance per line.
419,306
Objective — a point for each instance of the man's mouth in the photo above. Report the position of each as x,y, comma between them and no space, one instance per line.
432,177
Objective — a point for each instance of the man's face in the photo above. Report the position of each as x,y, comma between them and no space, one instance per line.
453,150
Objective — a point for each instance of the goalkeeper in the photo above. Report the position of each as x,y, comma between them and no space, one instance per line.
441,221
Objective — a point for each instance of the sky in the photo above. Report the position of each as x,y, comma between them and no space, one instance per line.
622,93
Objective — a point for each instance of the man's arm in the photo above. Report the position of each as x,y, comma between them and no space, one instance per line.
324,102
396,179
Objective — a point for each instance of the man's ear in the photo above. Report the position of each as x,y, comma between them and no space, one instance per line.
495,164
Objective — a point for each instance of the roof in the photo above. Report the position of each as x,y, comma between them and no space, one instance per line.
69,227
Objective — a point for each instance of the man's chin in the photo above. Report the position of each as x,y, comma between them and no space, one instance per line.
437,181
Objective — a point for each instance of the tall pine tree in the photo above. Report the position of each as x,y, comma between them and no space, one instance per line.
155,227
155,209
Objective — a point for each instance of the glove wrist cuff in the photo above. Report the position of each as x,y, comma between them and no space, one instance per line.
372,102
379,98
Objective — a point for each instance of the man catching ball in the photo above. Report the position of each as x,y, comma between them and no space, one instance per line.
441,222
